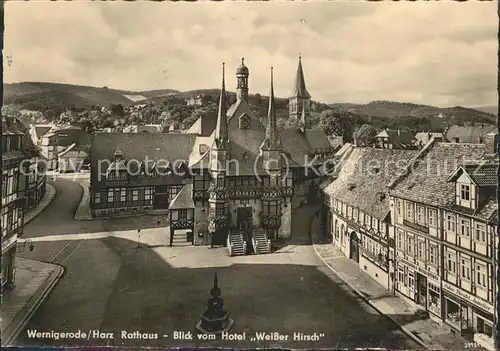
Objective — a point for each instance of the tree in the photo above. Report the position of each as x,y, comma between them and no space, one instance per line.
365,135
287,123
118,110
339,123
88,126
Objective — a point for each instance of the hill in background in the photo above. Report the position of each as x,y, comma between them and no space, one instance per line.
381,114
42,96
488,109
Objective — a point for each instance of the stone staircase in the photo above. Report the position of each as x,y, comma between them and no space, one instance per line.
262,244
181,239
235,243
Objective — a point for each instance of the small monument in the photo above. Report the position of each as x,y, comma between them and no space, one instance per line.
215,319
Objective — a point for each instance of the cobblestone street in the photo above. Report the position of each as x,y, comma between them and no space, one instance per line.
113,284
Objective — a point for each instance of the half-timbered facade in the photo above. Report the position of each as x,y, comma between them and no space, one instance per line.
242,177
37,180
445,213
358,216
14,182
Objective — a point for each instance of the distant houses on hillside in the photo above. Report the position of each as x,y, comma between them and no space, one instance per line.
469,134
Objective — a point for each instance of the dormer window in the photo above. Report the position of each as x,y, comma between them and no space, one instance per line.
244,122
203,148
465,192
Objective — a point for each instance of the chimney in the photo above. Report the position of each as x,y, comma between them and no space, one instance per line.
491,141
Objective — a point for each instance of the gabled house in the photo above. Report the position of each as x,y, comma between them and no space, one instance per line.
59,138
357,212
446,213
71,159
37,131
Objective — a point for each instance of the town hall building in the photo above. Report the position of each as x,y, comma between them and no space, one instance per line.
235,187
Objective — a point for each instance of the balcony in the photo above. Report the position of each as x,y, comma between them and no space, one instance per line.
244,193
270,221
200,195
217,222
218,193
416,226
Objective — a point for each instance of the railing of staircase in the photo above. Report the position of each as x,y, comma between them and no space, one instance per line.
229,246
255,246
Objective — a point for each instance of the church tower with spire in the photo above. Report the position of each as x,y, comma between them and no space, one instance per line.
300,101
271,151
219,160
271,148
242,74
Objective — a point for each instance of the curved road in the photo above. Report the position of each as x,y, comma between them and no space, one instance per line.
112,284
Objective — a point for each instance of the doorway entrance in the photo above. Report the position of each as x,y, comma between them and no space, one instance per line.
354,247
161,198
421,290
244,223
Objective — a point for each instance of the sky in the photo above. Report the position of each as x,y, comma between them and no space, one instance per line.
436,53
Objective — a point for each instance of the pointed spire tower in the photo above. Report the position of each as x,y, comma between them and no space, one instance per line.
300,101
219,163
271,147
272,140
221,140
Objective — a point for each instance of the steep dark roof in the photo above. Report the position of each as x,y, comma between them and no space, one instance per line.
469,134
317,139
400,138
138,147
184,198
427,181
364,178
299,88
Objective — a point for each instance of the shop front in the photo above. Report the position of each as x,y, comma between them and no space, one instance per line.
469,315
420,286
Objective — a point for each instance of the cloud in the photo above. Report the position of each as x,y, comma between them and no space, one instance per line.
434,53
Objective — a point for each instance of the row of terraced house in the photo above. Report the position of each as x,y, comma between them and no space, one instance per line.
423,224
